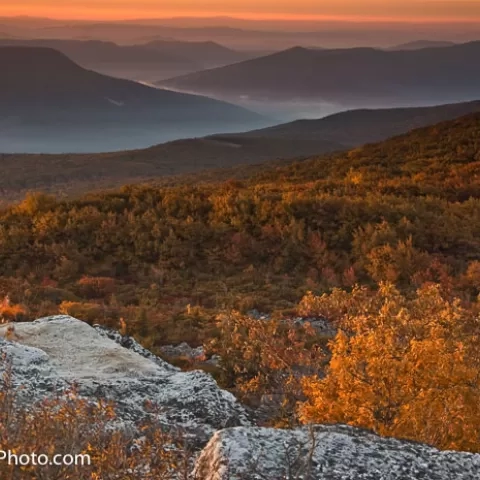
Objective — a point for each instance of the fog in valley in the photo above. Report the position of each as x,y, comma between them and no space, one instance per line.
85,139
238,75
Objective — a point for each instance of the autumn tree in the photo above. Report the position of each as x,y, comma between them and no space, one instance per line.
403,367
265,357
10,311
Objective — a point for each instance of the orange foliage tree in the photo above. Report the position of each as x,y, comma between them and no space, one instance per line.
402,366
264,358
10,311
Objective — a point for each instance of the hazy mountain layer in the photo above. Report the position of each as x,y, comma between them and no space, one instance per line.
147,63
419,44
50,104
358,76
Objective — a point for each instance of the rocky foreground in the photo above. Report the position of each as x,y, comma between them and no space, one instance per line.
53,354
327,453
50,355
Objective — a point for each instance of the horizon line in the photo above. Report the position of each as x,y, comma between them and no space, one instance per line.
296,18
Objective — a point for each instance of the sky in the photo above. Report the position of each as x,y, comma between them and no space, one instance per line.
349,10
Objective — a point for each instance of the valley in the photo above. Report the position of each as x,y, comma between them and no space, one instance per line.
214,157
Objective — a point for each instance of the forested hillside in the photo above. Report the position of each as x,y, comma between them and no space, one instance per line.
396,210
242,153
403,214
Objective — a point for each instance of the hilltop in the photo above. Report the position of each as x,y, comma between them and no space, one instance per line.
205,55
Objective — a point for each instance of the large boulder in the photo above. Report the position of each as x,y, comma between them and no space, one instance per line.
327,453
50,355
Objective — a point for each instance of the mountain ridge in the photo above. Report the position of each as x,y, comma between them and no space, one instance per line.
353,76
142,62
418,44
207,53
48,101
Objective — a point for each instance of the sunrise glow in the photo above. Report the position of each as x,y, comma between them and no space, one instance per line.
302,10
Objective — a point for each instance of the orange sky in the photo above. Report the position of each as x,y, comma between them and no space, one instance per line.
401,10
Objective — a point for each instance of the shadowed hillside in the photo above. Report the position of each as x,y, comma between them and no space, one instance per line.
66,174
50,104
356,127
358,76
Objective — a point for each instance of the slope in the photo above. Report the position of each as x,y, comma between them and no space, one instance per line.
49,103
406,209
143,62
77,173
359,76
356,127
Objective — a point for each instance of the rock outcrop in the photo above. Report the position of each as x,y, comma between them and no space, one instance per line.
184,350
327,453
50,355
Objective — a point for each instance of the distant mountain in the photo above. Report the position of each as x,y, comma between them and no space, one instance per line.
204,54
50,104
78,173
352,77
241,34
358,127
135,62
419,44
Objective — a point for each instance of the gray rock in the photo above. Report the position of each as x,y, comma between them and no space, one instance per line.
258,315
214,360
52,354
320,324
184,350
131,344
327,453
